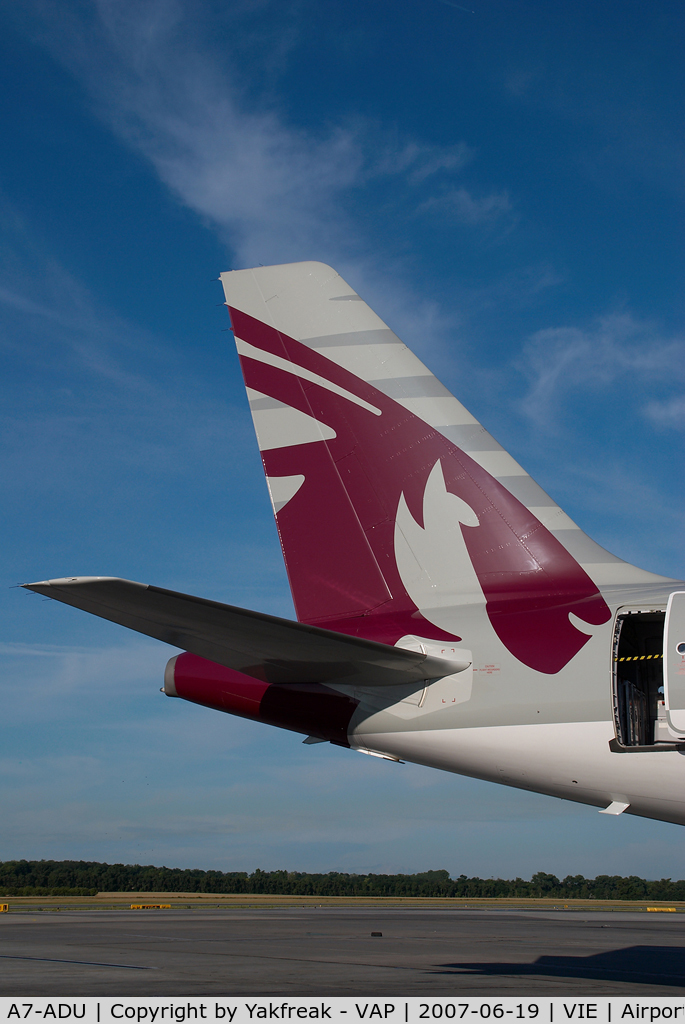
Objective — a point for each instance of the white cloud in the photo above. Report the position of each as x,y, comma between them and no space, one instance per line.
97,390
272,190
460,205
562,360
669,413
63,325
39,674
427,161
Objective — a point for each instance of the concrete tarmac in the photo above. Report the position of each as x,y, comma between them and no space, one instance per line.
331,952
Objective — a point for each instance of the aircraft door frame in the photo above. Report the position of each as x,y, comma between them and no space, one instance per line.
674,663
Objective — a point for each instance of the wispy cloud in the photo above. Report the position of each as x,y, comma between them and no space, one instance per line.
668,413
461,205
273,190
45,670
83,385
429,160
59,323
593,399
560,361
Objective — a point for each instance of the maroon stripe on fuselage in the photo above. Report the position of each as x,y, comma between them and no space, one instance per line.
309,708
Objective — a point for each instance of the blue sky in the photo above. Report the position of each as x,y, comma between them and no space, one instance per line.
505,187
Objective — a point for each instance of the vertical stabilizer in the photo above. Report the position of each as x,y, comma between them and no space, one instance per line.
390,498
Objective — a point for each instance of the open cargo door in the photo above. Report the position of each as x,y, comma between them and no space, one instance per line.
674,663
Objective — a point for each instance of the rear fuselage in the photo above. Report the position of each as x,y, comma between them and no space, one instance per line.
595,732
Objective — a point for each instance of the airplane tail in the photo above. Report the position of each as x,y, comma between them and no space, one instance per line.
394,506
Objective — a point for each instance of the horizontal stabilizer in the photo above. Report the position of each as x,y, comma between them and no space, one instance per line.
263,646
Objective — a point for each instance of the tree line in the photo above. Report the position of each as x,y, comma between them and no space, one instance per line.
87,878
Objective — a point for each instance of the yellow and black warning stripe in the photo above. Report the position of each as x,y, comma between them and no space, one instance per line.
640,657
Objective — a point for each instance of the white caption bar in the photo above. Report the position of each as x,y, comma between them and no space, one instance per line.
386,1010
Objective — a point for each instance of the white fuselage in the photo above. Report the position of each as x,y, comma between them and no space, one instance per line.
553,734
